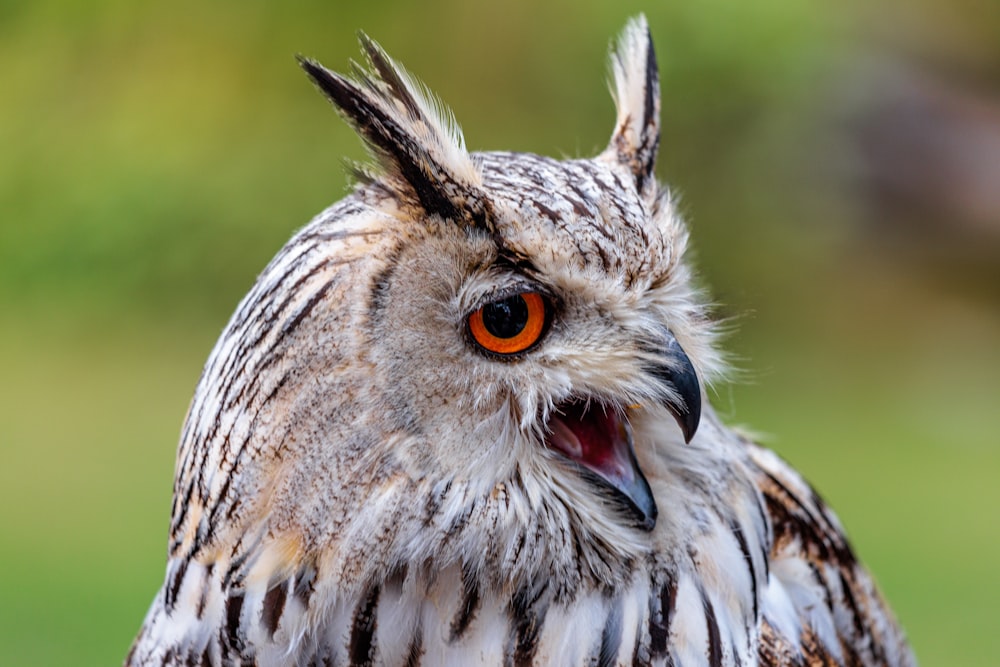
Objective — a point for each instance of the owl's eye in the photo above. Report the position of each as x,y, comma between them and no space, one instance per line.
510,325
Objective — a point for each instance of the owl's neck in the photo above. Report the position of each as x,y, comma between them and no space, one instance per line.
534,527
459,575
485,570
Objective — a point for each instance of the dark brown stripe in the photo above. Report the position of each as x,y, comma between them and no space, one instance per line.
661,611
362,647
234,608
553,216
650,137
237,560
742,541
762,535
416,652
852,605
527,618
341,213
304,585
714,638
518,546
397,577
467,607
459,522
290,325
170,598
433,503
640,654
182,503
579,208
205,588
379,287
274,606
611,637
821,581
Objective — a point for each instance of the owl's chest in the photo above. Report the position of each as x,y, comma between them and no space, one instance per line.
658,619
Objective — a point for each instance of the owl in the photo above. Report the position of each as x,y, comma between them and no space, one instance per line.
461,419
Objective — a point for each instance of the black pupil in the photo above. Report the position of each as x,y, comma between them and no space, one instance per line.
507,318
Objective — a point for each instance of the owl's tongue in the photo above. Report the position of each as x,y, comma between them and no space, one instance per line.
600,440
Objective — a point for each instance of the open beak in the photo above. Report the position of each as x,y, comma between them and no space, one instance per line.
598,437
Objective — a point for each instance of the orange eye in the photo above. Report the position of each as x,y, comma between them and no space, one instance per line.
510,325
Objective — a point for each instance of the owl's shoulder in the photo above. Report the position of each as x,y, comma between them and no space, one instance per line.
819,603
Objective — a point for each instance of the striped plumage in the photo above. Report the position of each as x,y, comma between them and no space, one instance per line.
360,481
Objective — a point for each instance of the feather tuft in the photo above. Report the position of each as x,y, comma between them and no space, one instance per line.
414,136
635,88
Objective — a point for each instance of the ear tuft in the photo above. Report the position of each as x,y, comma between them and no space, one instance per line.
416,139
636,91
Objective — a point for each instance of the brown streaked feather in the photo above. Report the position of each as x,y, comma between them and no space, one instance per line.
805,529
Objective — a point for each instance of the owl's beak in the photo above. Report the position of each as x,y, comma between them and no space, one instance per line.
684,391
599,439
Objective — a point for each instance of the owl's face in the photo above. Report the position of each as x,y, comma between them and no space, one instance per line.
529,347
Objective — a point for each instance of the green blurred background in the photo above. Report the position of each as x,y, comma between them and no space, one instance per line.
839,164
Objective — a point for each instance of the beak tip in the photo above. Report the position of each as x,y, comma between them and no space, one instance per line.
690,419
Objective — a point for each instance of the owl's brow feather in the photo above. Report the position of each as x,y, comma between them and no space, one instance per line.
510,260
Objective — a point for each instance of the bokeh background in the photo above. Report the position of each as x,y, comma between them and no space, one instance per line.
839,164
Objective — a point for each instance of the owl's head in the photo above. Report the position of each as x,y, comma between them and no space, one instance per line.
473,321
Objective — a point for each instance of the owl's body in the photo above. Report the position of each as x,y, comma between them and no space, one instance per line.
458,421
